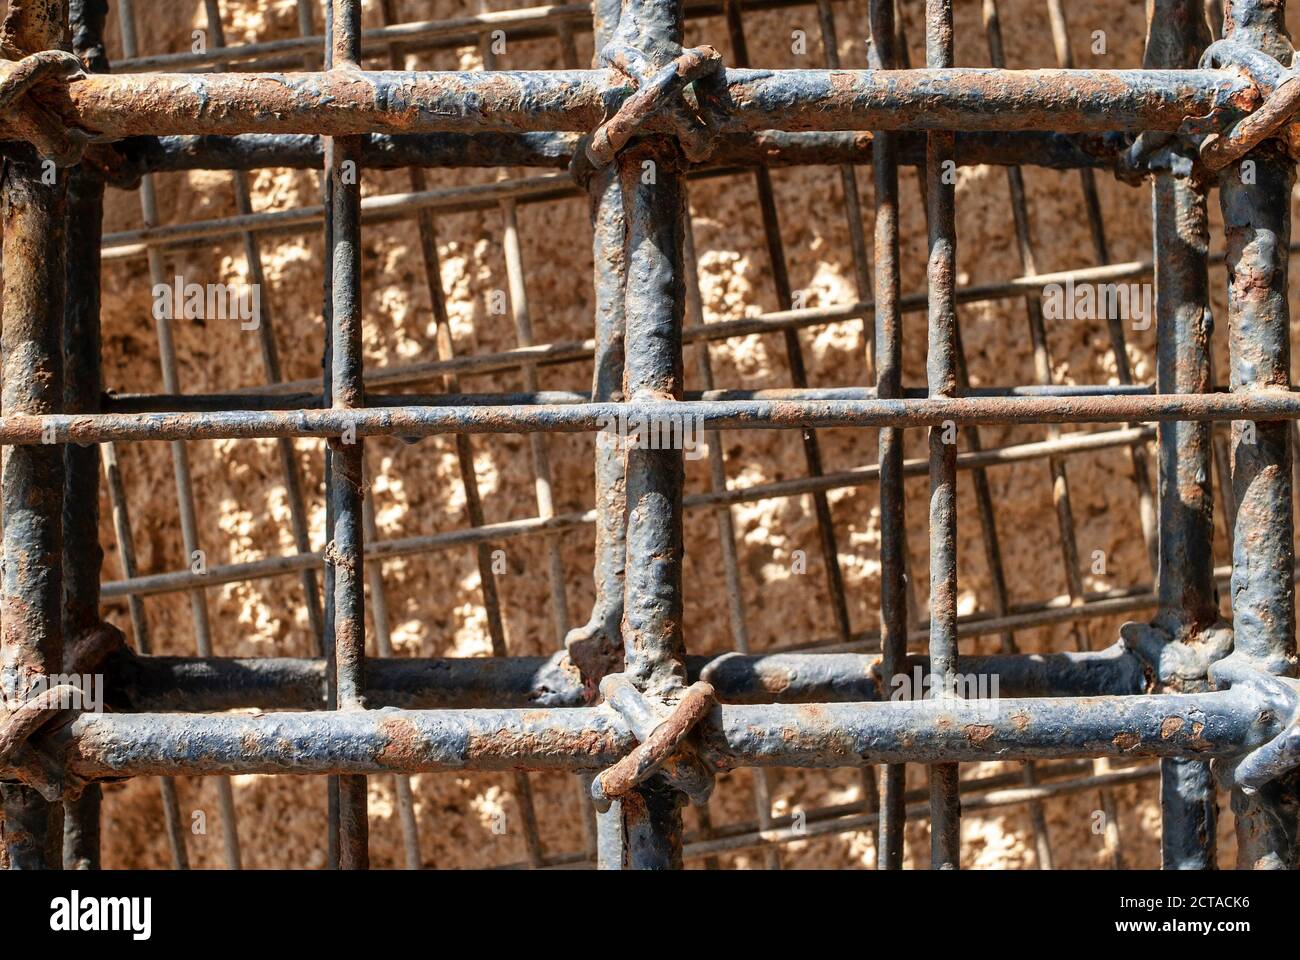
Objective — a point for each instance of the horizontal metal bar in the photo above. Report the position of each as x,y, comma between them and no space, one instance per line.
775,322
528,23
218,574
346,102
200,402
387,208
160,684
917,809
1054,611
375,209
950,731
373,42
416,421
123,164
982,793
1204,726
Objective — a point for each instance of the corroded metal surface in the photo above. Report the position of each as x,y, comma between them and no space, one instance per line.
1185,688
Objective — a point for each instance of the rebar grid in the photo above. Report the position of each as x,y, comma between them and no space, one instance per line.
1158,693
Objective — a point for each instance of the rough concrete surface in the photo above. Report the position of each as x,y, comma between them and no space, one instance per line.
434,602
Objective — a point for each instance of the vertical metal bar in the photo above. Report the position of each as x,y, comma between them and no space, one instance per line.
81,830
762,778
1119,347
987,518
34,208
345,550
1056,465
596,646
82,389
852,204
862,275
654,650
333,843
180,456
125,547
794,353
1043,371
1177,33
402,791
445,346
793,350
384,647
941,376
140,628
307,28
1223,470
1214,13
402,788
271,365
543,482
915,620
1257,225
889,385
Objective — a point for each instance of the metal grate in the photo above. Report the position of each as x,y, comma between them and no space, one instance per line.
643,725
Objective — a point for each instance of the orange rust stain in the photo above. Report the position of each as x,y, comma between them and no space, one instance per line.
403,746
1126,741
1170,726
977,732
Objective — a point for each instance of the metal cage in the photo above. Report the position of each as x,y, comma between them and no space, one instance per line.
644,726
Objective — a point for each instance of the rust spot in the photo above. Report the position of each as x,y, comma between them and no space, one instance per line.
977,732
1170,726
1126,741
1198,742
403,746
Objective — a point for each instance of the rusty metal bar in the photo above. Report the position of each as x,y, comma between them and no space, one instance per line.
424,421
1189,608
889,384
518,298
1123,368
346,390
941,377
596,647
34,207
793,349
82,392
183,476
1257,225
661,738
271,365
726,526
1221,724
341,103
122,164
168,684
419,36
652,187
